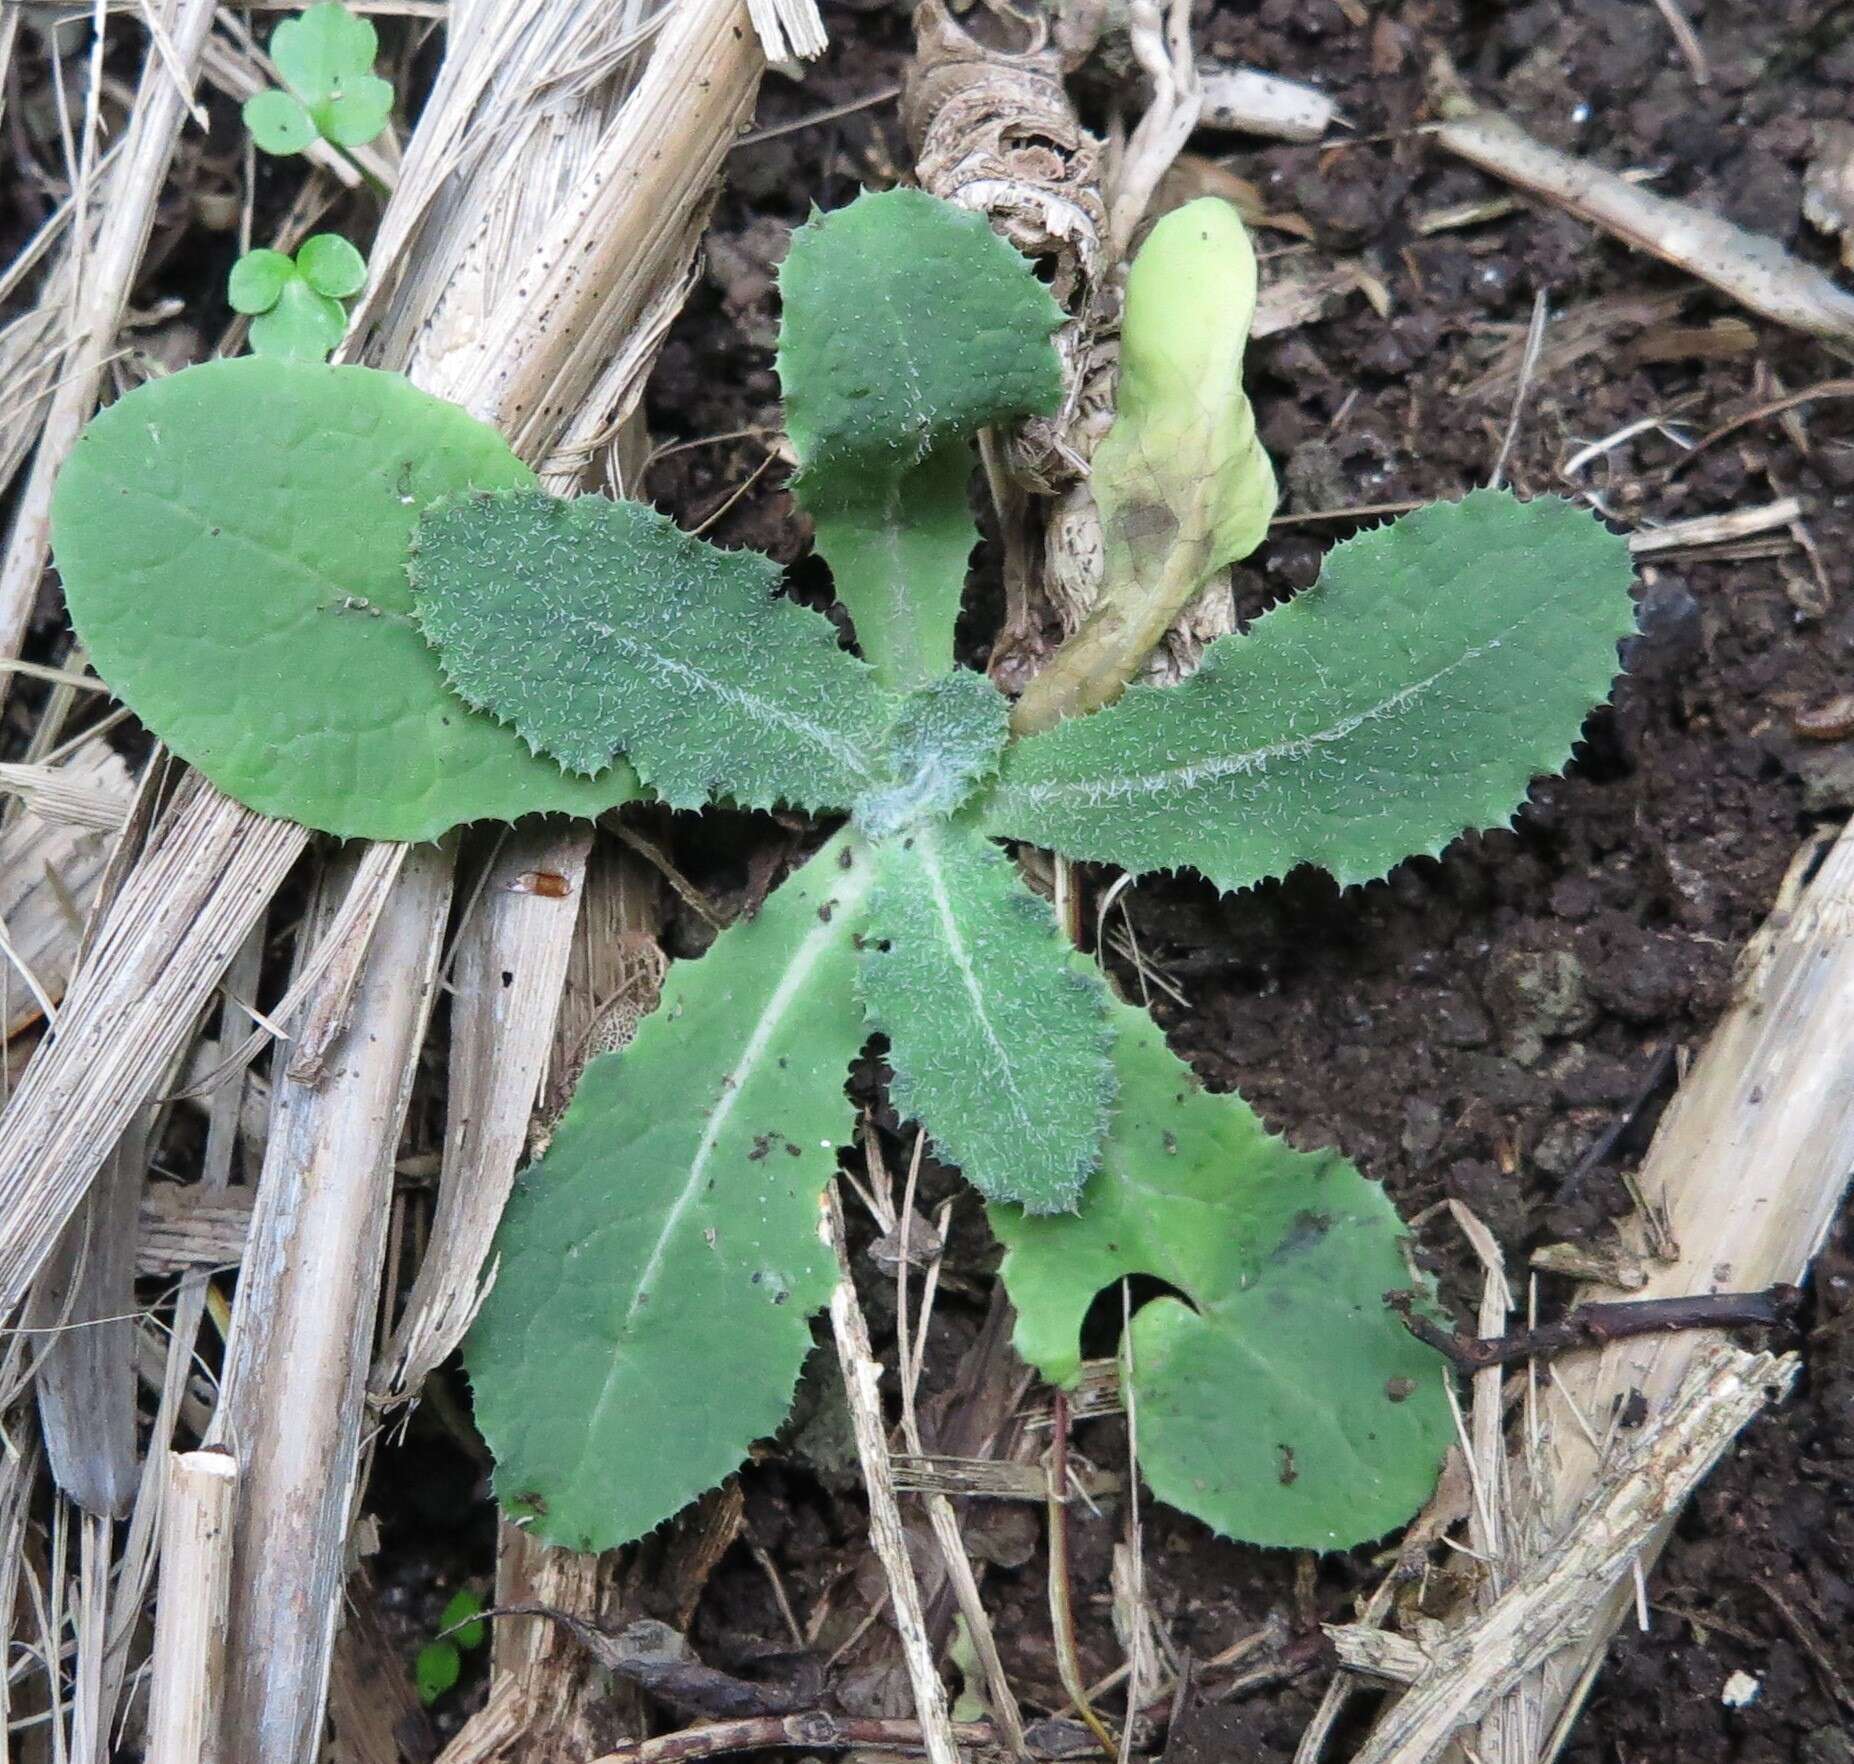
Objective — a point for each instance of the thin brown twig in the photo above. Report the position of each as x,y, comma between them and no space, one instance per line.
1774,407
1061,1607
1593,1325
868,102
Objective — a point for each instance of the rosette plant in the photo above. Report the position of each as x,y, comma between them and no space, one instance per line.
429,638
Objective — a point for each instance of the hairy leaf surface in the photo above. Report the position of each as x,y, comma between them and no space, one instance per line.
1278,1400
997,1039
1439,664
659,1266
596,627
232,541
943,743
909,325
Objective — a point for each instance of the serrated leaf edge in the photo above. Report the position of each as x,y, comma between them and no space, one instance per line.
1521,769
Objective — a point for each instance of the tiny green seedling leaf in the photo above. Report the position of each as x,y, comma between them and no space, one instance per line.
909,325
296,303
594,627
998,1042
1278,1400
658,1268
436,1670
232,541
258,279
1440,663
460,1620
278,123
331,266
325,56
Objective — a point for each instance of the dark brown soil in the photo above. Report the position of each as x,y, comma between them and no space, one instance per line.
1472,1026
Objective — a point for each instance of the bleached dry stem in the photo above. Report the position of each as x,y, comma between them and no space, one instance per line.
862,1380
1561,1595
187,1683
291,1406
1250,102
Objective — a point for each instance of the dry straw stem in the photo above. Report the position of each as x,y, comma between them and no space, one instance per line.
1564,1589
183,910
162,106
188,1678
862,1385
506,977
291,1408
51,859
1754,270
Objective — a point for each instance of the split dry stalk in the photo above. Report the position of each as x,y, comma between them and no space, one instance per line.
506,977
1562,1592
187,1681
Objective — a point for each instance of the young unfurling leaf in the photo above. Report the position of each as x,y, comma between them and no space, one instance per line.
1278,1400
1439,664
597,627
1181,482
909,325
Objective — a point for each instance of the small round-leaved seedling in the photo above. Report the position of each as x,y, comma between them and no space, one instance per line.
295,303
331,92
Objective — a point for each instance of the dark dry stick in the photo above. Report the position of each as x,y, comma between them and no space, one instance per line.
1593,1325
1061,1608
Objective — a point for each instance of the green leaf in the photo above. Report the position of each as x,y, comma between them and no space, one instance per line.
303,325
659,1267
257,280
997,1039
1182,484
1278,1400
1440,663
232,541
909,325
943,744
321,47
325,56
356,111
436,1670
278,123
459,1618
597,627
331,266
